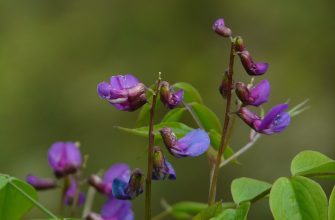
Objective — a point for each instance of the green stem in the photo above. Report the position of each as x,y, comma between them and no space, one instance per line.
225,130
150,152
37,204
89,201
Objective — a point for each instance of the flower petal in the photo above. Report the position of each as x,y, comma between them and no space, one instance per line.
271,116
120,82
115,209
260,93
118,170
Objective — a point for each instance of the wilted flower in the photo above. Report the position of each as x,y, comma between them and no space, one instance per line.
220,28
73,195
192,144
127,190
114,209
64,158
162,168
41,183
126,93
275,121
168,97
256,95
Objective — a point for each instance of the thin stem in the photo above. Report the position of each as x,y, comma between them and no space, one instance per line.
161,215
89,201
225,131
150,152
37,204
241,151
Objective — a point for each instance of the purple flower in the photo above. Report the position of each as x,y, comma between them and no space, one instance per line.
73,192
220,28
162,168
127,190
114,209
126,93
256,95
251,67
192,144
41,183
169,98
275,121
64,158
104,186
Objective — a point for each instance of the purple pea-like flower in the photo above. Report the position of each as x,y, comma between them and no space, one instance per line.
114,209
169,98
126,93
73,192
162,168
220,28
64,158
41,183
256,95
120,171
192,144
275,121
127,190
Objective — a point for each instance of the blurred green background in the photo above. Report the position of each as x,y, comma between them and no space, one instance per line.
53,54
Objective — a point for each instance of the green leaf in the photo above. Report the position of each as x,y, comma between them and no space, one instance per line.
298,198
178,128
331,208
185,210
209,212
206,116
13,204
215,138
247,189
174,115
312,163
240,213
191,94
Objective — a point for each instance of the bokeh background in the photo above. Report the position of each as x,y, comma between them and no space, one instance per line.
53,54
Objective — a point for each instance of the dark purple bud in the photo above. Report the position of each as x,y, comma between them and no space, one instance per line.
220,28
64,158
73,195
162,168
170,98
115,209
239,44
251,67
101,186
225,88
275,121
192,144
126,93
41,183
249,117
255,96
131,189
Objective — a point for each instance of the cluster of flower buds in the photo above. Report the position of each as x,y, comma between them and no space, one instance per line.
65,160
277,119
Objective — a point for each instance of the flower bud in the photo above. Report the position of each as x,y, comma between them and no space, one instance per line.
242,92
254,96
251,67
224,88
64,158
239,44
169,98
125,93
100,185
161,167
249,117
126,191
220,28
41,183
